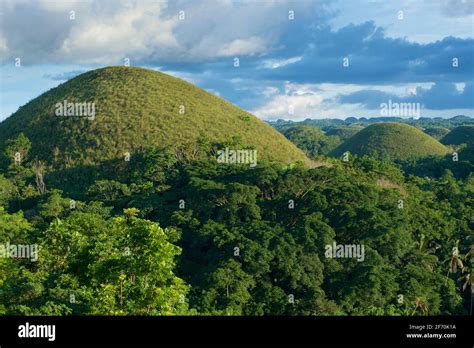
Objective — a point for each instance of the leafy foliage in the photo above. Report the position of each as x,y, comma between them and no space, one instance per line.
89,264
311,140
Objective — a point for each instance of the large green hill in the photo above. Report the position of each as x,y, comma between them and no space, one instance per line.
459,135
391,140
136,108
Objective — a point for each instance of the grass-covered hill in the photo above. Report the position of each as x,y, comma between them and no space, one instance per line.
136,108
390,140
459,135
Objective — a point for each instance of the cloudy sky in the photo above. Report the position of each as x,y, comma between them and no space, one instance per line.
297,59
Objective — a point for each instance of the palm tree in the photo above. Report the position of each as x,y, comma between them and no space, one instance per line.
469,281
421,304
426,256
39,168
455,261
469,277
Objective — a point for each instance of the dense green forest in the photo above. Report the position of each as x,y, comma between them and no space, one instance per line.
168,232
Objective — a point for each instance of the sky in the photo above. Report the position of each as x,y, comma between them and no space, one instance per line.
279,59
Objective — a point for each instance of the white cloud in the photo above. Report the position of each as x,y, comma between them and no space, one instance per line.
298,101
148,32
134,32
320,100
248,46
102,32
278,63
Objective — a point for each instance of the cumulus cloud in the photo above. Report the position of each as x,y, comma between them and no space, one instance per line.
86,32
196,36
301,100
374,57
147,32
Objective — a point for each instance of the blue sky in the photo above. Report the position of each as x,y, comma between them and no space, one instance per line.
291,53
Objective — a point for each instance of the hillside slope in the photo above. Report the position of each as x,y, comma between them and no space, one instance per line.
459,135
136,108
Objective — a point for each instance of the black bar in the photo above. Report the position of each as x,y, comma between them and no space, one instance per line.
242,330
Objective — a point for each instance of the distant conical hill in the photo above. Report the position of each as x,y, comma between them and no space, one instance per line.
391,140
459,135
134,108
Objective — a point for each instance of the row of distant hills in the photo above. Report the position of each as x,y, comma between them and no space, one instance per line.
358,121
383,137
136,108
